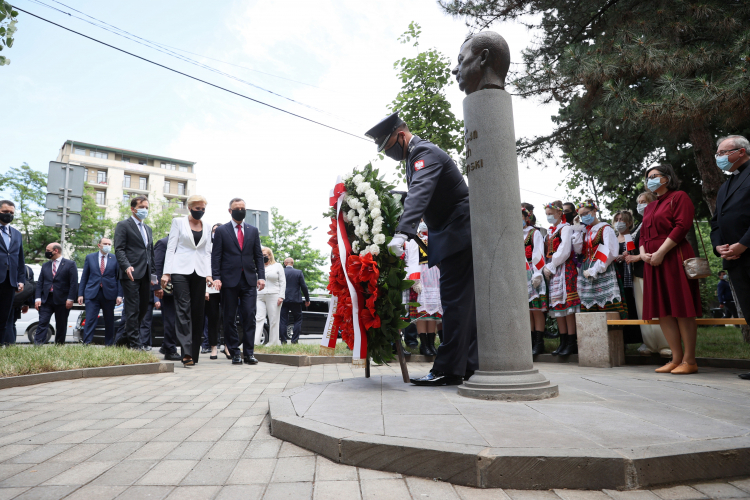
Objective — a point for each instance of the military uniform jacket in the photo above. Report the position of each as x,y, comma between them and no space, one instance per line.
439,195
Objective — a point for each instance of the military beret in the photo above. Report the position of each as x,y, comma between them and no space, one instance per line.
383,130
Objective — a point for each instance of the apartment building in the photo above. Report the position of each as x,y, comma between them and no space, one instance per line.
117,175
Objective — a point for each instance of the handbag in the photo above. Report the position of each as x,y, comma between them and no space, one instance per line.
695,267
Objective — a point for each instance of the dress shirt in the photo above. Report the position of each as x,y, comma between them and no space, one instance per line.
142,230
6,234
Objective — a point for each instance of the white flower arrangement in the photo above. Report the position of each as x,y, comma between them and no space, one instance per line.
365,215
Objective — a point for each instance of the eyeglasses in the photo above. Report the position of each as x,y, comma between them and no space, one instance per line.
654,176
725,152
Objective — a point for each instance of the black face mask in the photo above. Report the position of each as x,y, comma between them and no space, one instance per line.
48,254
239,215
395,152
569,216
265,259
197,214
7,218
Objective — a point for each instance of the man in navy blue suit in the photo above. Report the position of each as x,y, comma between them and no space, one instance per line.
295,281
12,264
101,290
56,290
238,270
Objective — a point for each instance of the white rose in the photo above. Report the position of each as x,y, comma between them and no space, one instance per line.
375,204
364,252
376,230
351,214
363,187
358,179
374,249
355,246
363,228
355,221
378,239
374,213
362,212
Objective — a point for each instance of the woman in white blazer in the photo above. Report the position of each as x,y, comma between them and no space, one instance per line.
187,264
270,299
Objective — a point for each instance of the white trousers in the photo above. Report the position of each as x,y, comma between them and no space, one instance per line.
267,303
653,337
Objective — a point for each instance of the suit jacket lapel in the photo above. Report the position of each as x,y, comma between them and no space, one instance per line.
736,183
246,228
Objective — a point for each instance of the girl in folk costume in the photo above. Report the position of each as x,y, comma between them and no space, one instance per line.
425,291
598,285
534,245
562,272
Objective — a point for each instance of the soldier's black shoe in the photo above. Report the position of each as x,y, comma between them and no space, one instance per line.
436,379
250,360
468,375
172,356
237,360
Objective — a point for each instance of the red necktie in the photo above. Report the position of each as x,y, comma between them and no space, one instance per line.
101,270
240,236
54,271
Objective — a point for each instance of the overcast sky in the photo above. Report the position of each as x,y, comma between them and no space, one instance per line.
61,86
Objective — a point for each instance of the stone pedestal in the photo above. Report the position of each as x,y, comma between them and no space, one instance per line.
506,369
598,345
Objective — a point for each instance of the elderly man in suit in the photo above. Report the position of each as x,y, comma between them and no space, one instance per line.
295,281
134,249
238,270
101,290
12,265
56,290
730,225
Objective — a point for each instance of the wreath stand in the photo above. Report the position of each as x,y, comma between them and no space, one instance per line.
401,362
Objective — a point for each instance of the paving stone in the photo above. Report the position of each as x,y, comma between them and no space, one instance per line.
679,493
168,472
78,453
289,491
267,448
81,473
631,495
336,490
292,450
743,484
581,495
254,470
40,454
427,488
720,490
245,492
145,492
209,472
531,495
36,475
377,474
153,451
116,452
294,469
97,492
8,470
384,489
466,493
8,493
14,450
326,470
227,450
126,472
46,493
239,434
193,493
190,450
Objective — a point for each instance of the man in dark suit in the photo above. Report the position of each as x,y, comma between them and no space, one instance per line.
295,281
730,225
439,195
134,248
56,290
21,304
101,290
238,270
169,344
12,265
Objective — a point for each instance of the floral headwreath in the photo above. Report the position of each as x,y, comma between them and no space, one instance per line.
586,204
552,207
524,212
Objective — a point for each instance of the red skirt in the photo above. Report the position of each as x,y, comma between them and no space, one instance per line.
666,289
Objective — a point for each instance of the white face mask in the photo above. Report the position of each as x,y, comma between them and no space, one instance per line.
106,248
641,208
551,219
620,226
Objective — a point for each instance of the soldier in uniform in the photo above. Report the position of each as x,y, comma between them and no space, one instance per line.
439,195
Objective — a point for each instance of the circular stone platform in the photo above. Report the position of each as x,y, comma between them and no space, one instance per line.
619,428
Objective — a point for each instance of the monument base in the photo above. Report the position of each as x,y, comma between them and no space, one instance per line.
527,385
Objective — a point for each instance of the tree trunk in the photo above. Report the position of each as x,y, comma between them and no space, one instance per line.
711,176
693,240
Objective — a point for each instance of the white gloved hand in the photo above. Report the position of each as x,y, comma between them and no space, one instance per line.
589,274
579,228
417,286
547,273
536,281
396,246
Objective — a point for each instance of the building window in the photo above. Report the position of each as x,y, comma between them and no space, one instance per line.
101,177
98,154
126,159
166,186
126,181
180,204
125,197
100,200
80,151
85,175
181,188
100,216
142,183
183,168
141,161
169,166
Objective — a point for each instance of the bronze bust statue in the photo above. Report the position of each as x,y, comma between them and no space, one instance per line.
483,62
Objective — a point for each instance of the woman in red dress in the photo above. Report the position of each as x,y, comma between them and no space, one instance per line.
668,294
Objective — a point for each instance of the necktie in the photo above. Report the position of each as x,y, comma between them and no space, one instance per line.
54,272
6,235
101,270
143,234
240,236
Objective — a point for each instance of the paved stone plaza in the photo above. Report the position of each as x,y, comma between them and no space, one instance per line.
203,433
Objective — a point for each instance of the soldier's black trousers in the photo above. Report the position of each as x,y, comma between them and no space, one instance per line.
457,353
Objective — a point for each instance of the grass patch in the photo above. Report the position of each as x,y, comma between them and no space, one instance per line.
301,349
27,360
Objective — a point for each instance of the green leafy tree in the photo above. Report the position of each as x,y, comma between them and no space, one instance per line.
421,103
289,238
8,28
668,71
94,225
161,214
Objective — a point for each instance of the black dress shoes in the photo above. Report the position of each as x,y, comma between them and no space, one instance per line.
172,356
436,379
237,360
250,360
744,376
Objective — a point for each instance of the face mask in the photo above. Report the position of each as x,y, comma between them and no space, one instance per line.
524,224
587,219
7,218
395,152
552,220
620,227
654,184
569,216
641,208
723,162
725,278
141,213
238,214
48,254
106,248
266,259
197,214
